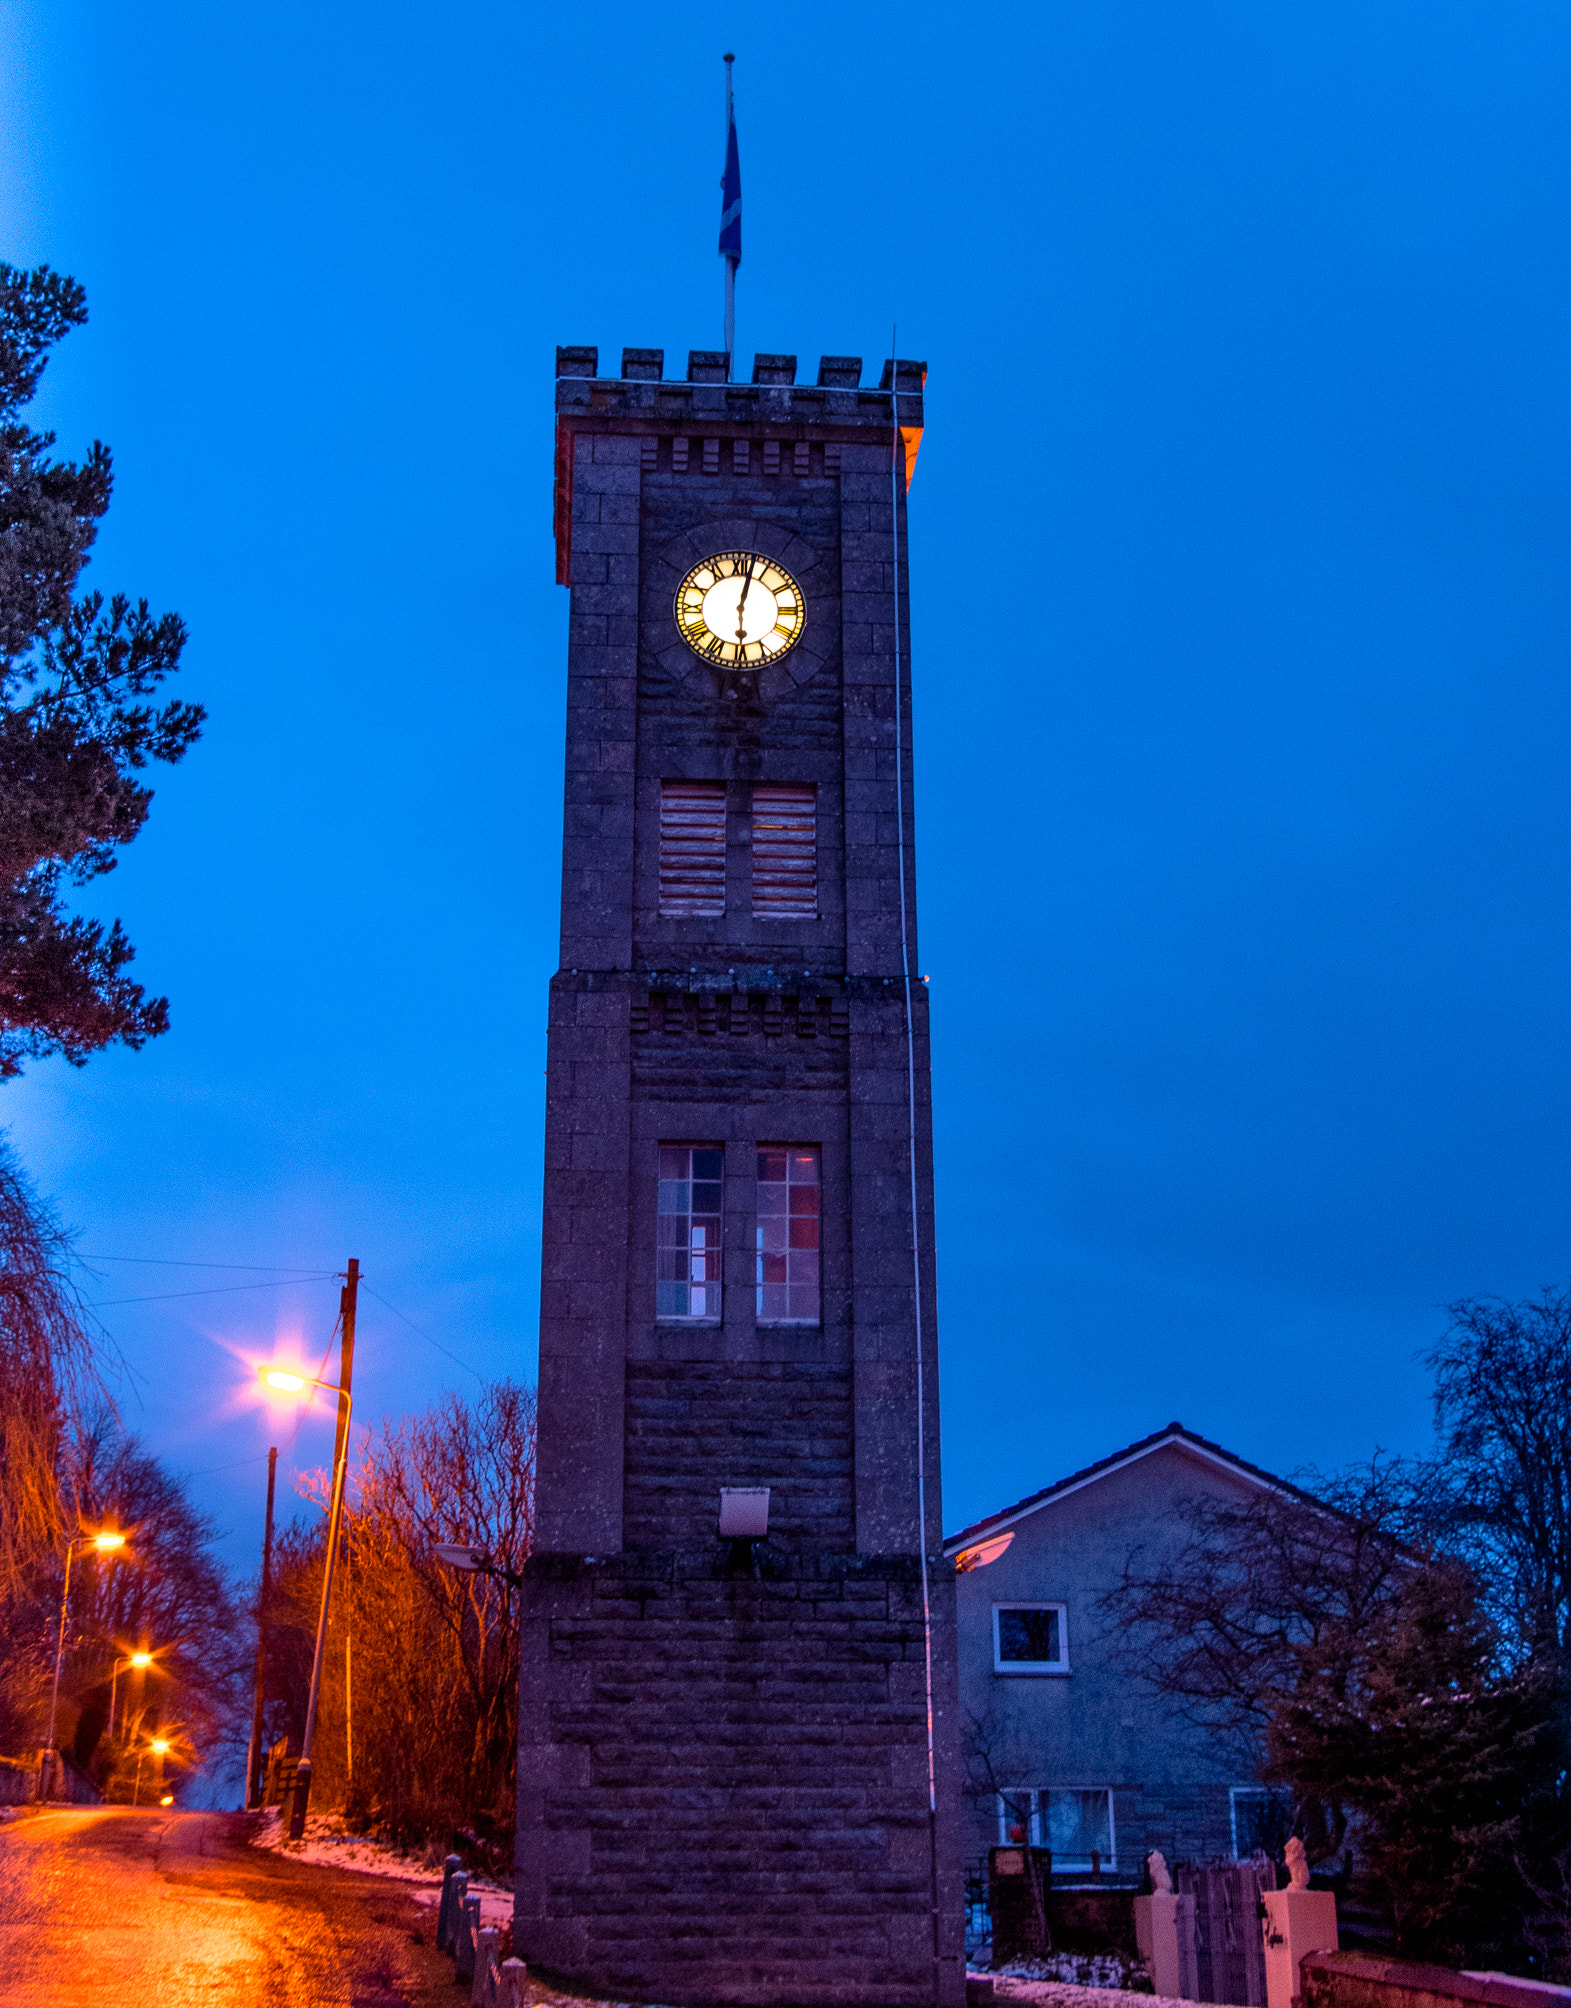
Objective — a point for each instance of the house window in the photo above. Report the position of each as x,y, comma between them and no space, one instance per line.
1261,1818
787,1278
785,853
687,1239
1075,1821
692,847
1030,1638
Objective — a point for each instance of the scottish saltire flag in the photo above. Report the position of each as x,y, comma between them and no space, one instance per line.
731,194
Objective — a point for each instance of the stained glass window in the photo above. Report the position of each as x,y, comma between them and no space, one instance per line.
787,1279
688,1239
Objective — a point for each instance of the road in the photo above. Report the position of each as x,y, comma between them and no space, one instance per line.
156,1909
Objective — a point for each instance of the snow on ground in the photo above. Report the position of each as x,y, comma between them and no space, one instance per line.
329,1846
326,1843
1061,1994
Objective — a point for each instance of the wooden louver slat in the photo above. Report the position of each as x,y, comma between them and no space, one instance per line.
785,853
692,847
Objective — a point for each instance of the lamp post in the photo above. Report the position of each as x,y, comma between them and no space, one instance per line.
291,1383
159,1746
105,1543
141,1661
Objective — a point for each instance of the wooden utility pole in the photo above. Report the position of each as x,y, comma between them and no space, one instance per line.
253,1762
346,1364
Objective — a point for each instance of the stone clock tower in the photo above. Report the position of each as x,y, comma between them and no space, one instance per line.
737,1770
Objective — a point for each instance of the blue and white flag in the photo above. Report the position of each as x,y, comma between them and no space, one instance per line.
731,193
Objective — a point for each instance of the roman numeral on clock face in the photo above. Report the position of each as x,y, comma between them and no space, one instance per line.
739,608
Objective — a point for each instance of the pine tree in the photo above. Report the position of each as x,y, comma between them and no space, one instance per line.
77,726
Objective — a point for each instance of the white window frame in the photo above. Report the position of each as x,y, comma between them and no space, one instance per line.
1033,1666
1035,1834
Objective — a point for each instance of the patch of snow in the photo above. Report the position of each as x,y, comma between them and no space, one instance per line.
327,1845
1061,1994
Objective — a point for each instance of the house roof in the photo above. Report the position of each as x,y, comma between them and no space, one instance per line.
1175,1432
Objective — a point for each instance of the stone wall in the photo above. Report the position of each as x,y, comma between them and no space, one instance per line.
1354,1980
693,1426
724,1798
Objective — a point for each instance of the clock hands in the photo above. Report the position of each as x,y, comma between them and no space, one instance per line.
747,580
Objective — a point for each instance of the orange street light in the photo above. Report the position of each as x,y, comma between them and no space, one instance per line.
141,1661
287,1381
106,1541
159,1746
167,1800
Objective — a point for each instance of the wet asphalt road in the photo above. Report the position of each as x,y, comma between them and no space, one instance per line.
153,1909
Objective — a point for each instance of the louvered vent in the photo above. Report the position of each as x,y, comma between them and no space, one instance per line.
692,847
785,853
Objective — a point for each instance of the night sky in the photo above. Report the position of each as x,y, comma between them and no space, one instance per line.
1241,627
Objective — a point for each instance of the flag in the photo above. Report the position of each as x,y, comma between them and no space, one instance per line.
731,194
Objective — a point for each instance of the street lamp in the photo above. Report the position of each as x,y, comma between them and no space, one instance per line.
470,1560
287,1382
159,1747
141,1661
105,1542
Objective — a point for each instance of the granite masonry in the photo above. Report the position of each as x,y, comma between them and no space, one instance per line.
723,1778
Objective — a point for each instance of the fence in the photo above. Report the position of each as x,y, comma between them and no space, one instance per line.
494,1982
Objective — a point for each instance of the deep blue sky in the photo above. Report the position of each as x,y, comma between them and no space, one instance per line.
1241,633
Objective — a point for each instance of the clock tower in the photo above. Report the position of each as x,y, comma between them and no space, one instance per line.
737,1763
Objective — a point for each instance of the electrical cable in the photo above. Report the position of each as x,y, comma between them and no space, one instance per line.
457,1362
173,1262
215,1290
916,1236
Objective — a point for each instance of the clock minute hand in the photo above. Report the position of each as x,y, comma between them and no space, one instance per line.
747,580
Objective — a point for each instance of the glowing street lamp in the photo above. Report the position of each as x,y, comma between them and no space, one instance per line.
140,1661
159,1746
106,1542
287,1382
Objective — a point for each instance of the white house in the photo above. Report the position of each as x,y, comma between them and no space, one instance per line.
1060,1737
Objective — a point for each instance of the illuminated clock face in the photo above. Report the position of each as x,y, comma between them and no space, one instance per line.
740,610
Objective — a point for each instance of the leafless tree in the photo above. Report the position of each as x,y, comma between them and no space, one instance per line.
47,1374
1503,1409
418,1719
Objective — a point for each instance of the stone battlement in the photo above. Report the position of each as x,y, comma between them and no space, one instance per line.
643,392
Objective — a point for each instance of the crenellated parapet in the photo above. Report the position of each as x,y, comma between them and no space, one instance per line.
698,411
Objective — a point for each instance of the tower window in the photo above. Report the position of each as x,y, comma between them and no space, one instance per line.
687,1239
788,1214
692,847
785,853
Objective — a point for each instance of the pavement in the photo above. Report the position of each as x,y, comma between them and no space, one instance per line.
158,1909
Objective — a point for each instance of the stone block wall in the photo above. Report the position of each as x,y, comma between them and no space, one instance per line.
693,1426
723,1792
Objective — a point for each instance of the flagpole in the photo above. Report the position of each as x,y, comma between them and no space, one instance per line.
730,263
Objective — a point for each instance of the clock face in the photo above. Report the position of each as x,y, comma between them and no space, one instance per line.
740,609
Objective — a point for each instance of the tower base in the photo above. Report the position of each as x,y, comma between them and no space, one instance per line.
723,1783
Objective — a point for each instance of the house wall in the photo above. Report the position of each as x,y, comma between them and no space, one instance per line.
1096,1725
